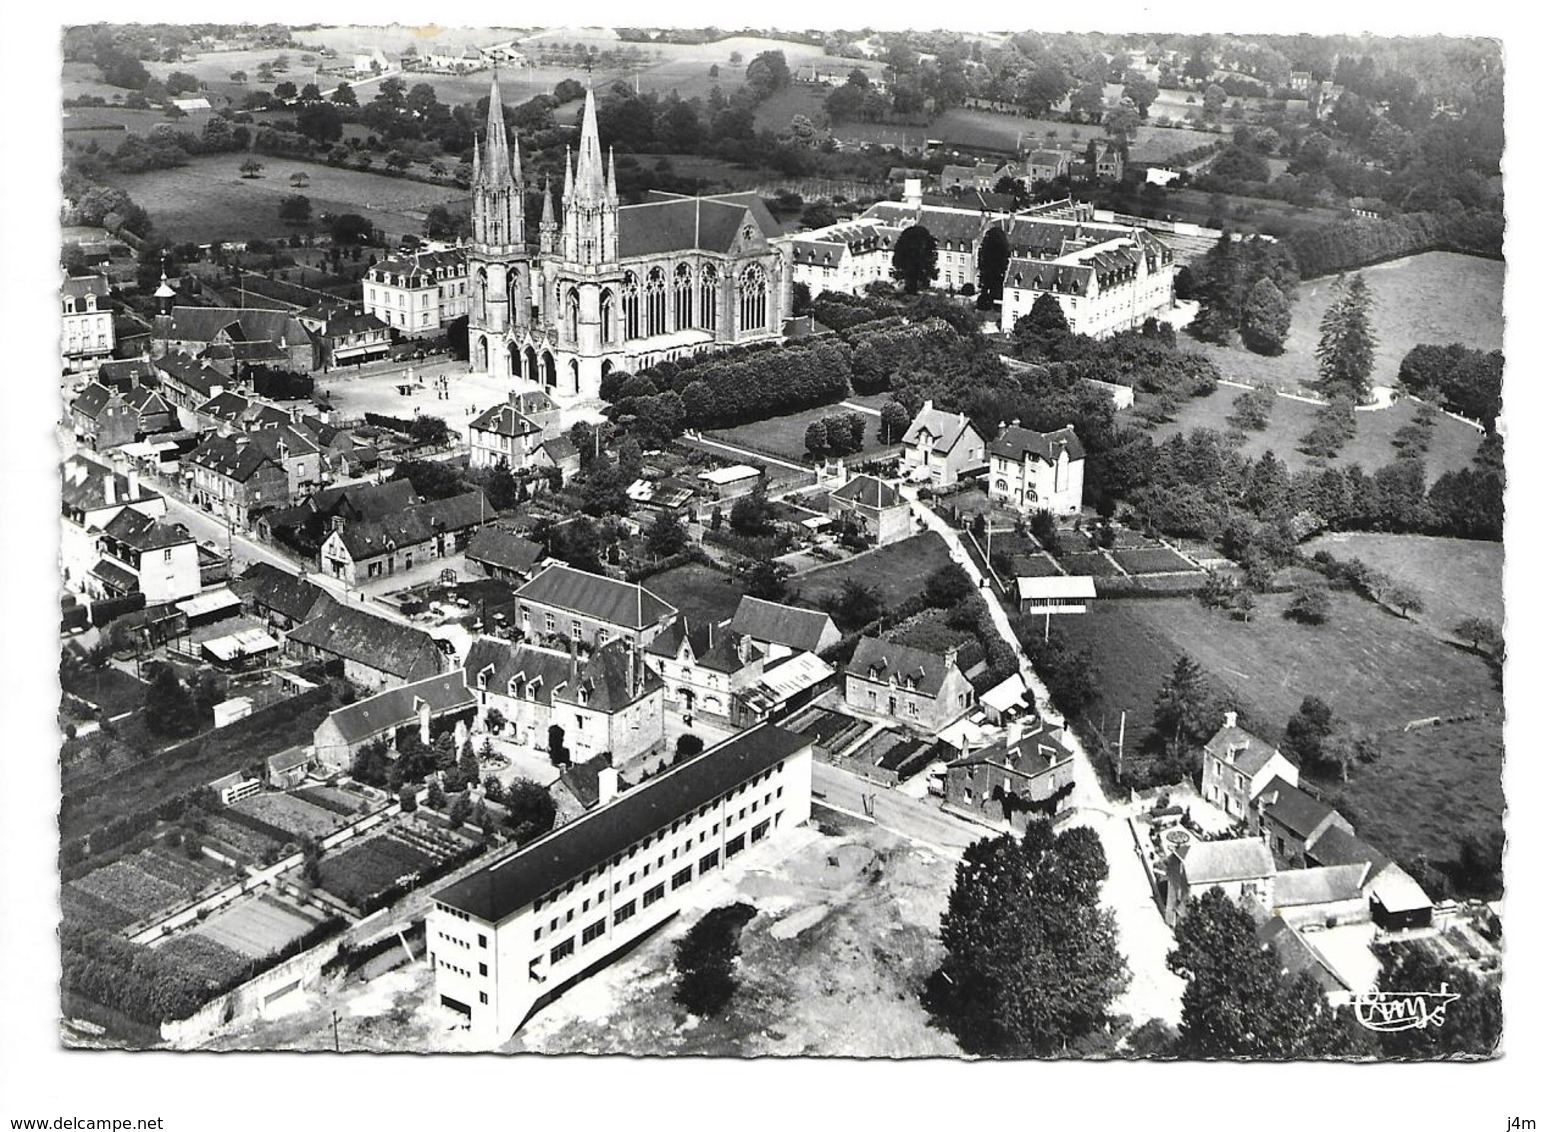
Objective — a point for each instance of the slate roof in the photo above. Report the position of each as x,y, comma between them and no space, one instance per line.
1039,749
79,286
503,549
591,595
92,400
242,324
1292,807
713,648
1016,443
868,491
119,370
269,587
603,681
788,625
1251,753
944,428
396,707
1318,886
82,483
366,538
542,669
236,457
1216,862
140,532
418,269
504,420
878,660
561,448
673,224
192,374
1337,846
116,576
509,885
375,642
226,406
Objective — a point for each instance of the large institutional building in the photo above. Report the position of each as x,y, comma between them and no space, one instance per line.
511,937
610,286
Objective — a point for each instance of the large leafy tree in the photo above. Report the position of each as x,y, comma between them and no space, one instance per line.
915,259
993,260
1238,1002
1185,713
1265,318
1346,353
1041,332
1031,957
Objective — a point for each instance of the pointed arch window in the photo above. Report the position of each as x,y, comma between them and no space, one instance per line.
630,305
572,315
607,316
754,299
709,298
655,302
682,297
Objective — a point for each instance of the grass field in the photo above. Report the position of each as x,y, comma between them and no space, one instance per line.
1369,665
897,571
1455,577
208,199
1435,298
988,130
786,436
702,594
257,925
1451,449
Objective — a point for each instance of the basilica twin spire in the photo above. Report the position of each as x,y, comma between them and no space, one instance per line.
589,233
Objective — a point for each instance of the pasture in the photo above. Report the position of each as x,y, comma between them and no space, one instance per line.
984,129
208,199
1451,448
1434,298
1455,577
703,595
785,436
896,571
1371,666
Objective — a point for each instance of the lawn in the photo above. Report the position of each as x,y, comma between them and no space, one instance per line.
109,689
208,199
897,571
1455,577
1369,665
257,926
786,436
1435,298
1451,448
702,594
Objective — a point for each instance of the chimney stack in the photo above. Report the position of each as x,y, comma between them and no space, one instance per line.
134,486
606,785
110,488
1230,718
1012,735
950,655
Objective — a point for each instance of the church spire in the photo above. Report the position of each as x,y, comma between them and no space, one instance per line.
547,201
495,141
569,178
589,183
477,162
612,179
548,227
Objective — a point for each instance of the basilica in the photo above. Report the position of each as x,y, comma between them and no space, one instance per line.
609,286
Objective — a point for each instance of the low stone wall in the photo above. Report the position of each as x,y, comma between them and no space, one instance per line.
253,996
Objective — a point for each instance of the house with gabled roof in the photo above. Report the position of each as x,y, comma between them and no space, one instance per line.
361,550
1027,774
564,604
920,689
1037,471
1241,867
104,417
239,336
240,475
91,495
498,553
282,599
504,435
1396,900
1047,165
306,525
187,383
378,718
374,652
941,446
1237,765
1289,819
141,554
875,506
560,455
781,630
88,322
706,668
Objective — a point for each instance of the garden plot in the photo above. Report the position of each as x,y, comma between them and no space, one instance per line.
292,813
258,925
1152,560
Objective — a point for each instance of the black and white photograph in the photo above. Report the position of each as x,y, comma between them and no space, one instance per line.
903,543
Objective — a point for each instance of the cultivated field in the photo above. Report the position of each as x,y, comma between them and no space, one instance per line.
1456,577
1435,298
291,813
1369,665
208,199
258,925
153,881
896,571
702,594
786,436
1452,447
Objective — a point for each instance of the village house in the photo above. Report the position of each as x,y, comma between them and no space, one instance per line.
503,435
875,506
363,550
340,736
778,631
235,338
515,934
608,703
288,769
145,555
1109,164
1241,867
1396,900
1027,774
237,476
91,495
306,525
706,670
281,599
982,175
941,446
1237,766
373,652
497,553
920,689
187,383
559,455
419,292
346,335
1047,165
1037,471
1288,820
88,322
564,604
104,418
